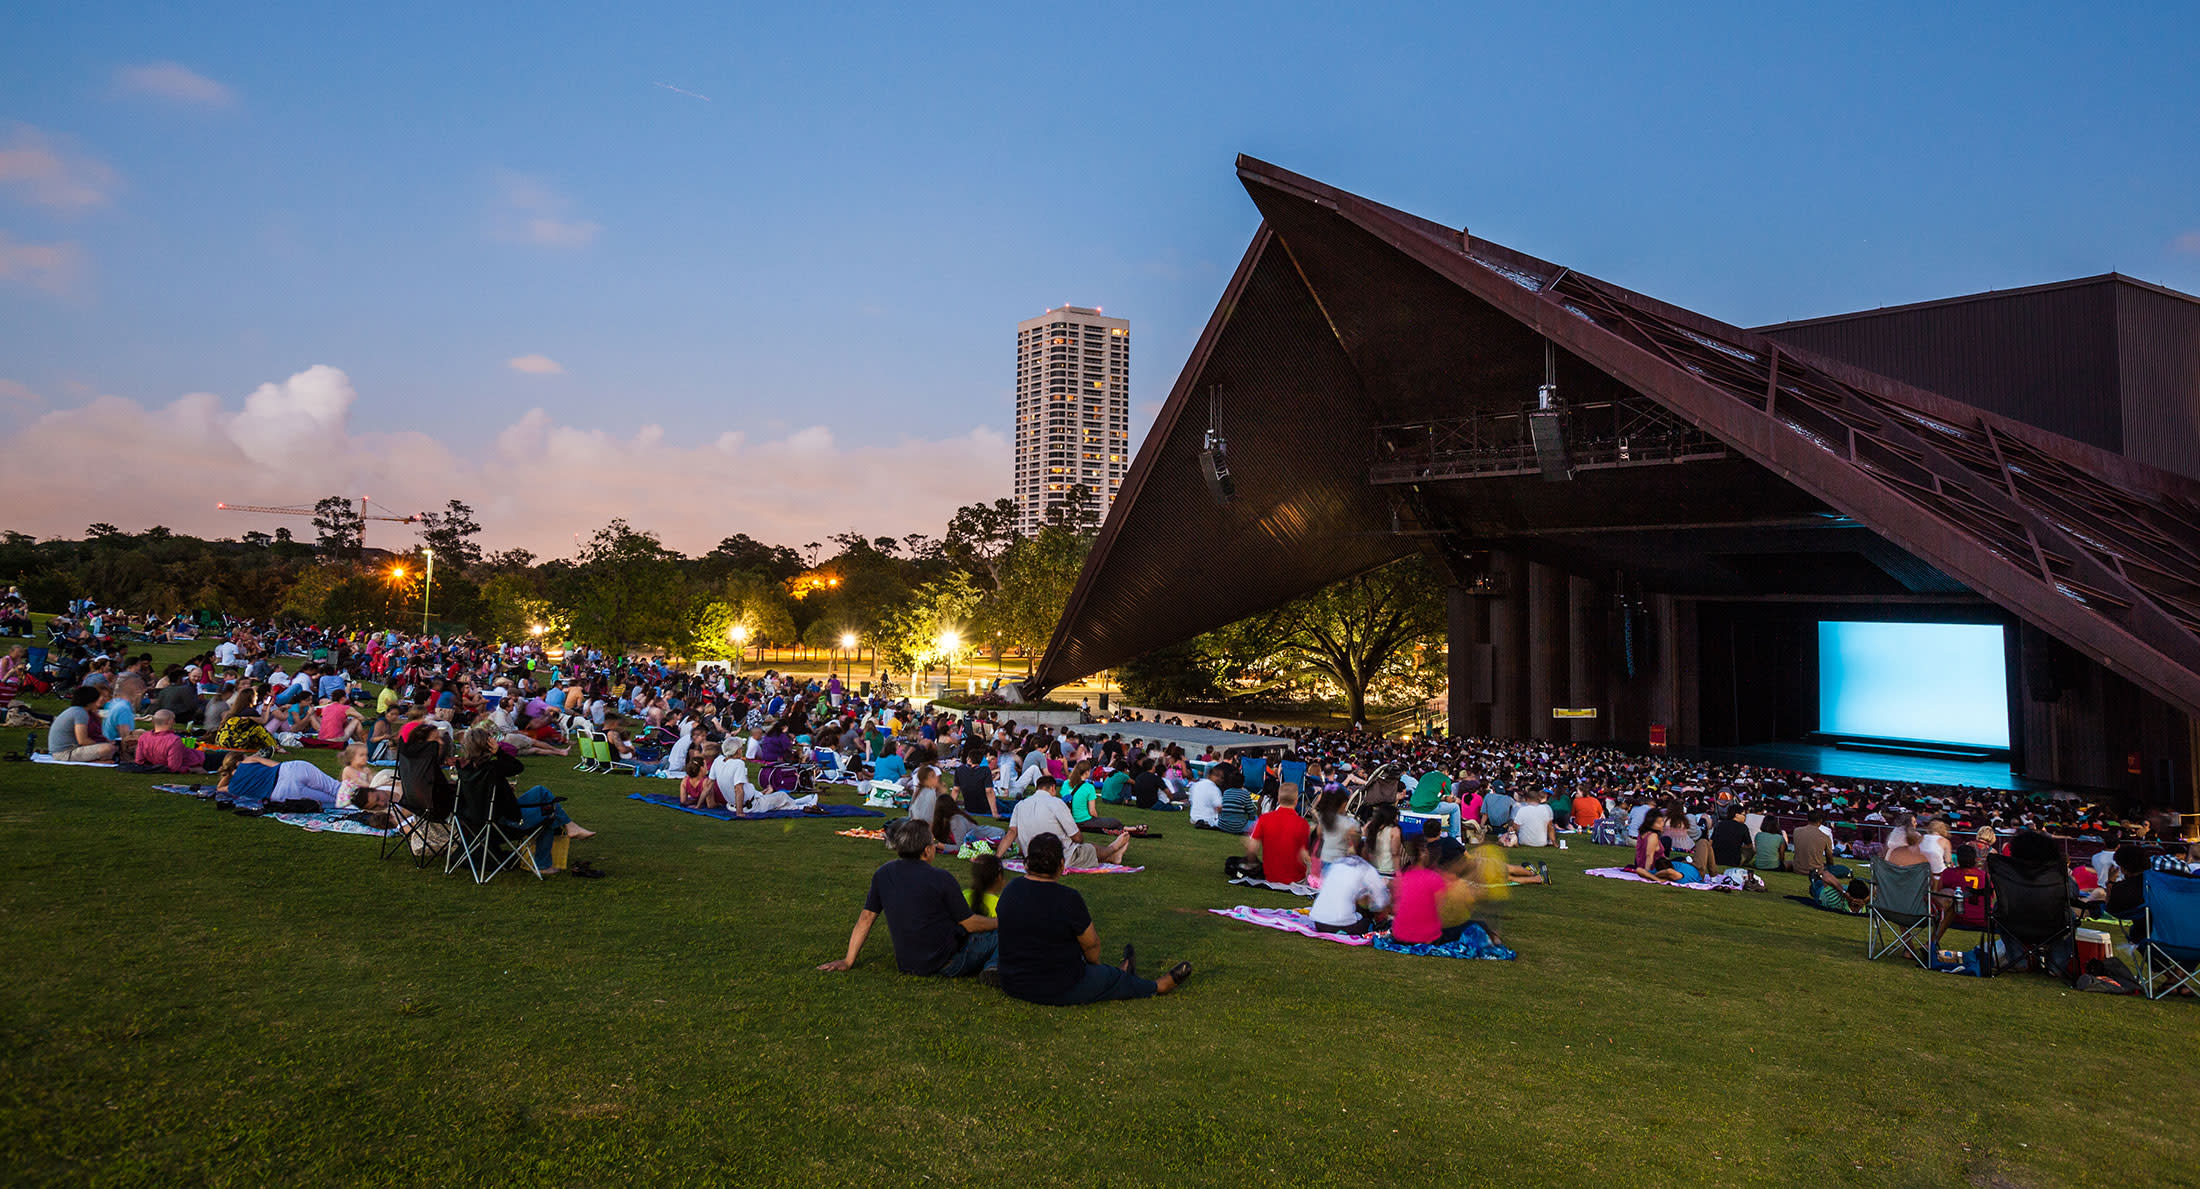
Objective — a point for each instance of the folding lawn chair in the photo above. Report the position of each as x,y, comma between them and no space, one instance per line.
2169,954
2030,913
1293,772
1899,915
487,839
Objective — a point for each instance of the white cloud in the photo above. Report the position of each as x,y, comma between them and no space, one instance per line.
174,82
42,172
530,212
2188,243
535,365
57,268
16,392
294,442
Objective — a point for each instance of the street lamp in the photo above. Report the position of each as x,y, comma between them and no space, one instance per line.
739,634
949,641
848,645
427,589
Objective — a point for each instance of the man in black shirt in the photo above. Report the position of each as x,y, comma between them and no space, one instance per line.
932,927
1049,949
974,784
1731,841
1146,786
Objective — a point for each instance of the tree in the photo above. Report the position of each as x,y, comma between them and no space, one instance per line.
1076,509
451,534
978,535
908,634
1035,575
624,591
282,535
158,533
257,539
505,560
741,552
748,601
1356,630
101,531
513,606
342,528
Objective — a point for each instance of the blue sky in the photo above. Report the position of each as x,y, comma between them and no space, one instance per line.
845,231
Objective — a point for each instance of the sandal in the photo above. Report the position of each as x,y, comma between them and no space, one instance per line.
586,870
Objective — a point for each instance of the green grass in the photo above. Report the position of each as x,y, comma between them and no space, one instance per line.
195,996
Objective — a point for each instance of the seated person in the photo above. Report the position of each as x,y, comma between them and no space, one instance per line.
162,748
697,789
1084,796
1769,847
952,828
1651,860
1205,801
1732,843
1238,808
732,776
1966,876
2127,893
623,747
1279,840
382,734
1353,894
1049,950
337,722
1043,813
933,929
243,731
1429,890
276,782
1432,794
118,721
74,735
357,773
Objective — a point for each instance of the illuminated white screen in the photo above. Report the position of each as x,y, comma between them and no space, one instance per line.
1930,682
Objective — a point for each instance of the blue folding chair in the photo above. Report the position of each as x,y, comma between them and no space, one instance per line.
2171,949
1255,770
1292,772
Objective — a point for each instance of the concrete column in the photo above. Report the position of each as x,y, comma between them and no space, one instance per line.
1585,657
1459,659
1547,648
1508,616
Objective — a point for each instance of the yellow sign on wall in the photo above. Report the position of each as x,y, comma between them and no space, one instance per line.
1573,712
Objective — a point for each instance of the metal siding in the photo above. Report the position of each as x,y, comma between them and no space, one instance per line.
2159,343
2046,357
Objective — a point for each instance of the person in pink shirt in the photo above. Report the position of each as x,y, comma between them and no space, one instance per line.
162,748
339,722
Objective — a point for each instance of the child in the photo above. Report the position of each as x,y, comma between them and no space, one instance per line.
356,775
697,789
986,881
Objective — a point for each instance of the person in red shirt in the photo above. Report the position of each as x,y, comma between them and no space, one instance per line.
1278,839
1966,874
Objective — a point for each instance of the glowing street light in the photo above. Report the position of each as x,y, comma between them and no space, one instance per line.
949,642
848,645
739,634
427,589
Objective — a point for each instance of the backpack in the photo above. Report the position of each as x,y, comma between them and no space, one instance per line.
2109,976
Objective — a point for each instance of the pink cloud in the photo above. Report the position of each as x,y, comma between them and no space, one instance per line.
40,171
2188,243
175,83
536,485
57,268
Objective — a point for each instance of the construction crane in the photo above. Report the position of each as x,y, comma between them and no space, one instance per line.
309,511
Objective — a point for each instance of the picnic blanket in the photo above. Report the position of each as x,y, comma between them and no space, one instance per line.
327,823
1295,889
41,757
1289,920
201,791
860,832
1474,942
1017,865
1717,884
727,815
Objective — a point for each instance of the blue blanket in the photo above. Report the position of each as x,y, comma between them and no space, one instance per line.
727,815
1474,942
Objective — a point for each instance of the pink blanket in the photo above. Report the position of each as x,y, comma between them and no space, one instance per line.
1287,920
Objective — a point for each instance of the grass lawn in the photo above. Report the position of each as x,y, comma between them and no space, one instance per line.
195,996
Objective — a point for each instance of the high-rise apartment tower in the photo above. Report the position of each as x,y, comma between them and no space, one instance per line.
1073,410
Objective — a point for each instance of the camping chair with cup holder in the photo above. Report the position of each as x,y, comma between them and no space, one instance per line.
2028,916
2169,950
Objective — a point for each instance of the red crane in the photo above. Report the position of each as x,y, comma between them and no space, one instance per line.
308,511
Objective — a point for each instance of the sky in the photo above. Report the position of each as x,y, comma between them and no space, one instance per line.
721,268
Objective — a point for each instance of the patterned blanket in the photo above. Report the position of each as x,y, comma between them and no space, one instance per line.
1288,920
727,815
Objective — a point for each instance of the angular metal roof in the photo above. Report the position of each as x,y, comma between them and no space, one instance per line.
1361,356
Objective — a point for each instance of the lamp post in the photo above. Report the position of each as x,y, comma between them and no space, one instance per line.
848,644
427,589
739,634
948,643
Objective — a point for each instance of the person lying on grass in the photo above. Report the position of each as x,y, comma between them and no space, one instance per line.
276,782
952,828
1049,949
731,773
1043,814
930,922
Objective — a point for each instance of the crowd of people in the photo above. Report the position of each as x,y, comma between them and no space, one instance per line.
1412,836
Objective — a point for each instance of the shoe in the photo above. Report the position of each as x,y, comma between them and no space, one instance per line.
990,976
1130,958
1180,974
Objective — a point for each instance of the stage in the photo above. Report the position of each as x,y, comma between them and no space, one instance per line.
1193,740
1821,760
